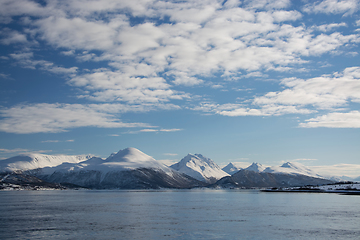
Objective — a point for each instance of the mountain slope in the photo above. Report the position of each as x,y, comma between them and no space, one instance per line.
200,168
231,168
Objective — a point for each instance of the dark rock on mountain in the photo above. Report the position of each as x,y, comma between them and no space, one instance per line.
24,181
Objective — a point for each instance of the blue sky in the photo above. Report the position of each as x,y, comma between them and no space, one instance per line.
242,81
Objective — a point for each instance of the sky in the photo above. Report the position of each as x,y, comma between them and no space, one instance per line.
237,81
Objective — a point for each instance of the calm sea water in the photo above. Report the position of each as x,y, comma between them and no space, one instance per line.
189,214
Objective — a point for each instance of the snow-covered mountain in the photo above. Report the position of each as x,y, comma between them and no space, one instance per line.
200,168
35,161
129,168
251,179
255,167
286,168
126,159
231,168
293,168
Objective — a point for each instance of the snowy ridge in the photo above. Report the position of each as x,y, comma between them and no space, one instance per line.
256,167
200,168
293,168
287,168
231,168
36,161
126,159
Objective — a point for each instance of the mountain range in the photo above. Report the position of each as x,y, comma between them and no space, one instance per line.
132,169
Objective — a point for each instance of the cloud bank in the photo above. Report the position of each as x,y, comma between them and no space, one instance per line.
148,55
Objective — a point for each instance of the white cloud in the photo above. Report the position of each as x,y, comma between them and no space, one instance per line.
10,8
347,7
26,60
187,81
211,39
195,45
57,141
148,130
76,33
107,85
114,135
303,159
341,169
12,37
161,130
281,16
43,117
146,61
330,27
6,153
50,141
170,154
16,150
334,120
154,130
328,92
236,110
324,92
5,76
267,4
170,130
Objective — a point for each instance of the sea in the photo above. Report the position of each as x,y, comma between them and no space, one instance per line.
177,214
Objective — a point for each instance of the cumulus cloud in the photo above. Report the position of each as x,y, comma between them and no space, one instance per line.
267,4
149,49
325,92
345,7
106,85
9,9
334,120
207,39
236,110
329,27
299,96
26,60
12,37
42,118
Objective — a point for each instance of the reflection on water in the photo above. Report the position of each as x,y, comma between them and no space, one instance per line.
188,214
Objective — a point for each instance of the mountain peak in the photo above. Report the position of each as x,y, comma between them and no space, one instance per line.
255,167
291,165
129,155
293,168
199,167
231,168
